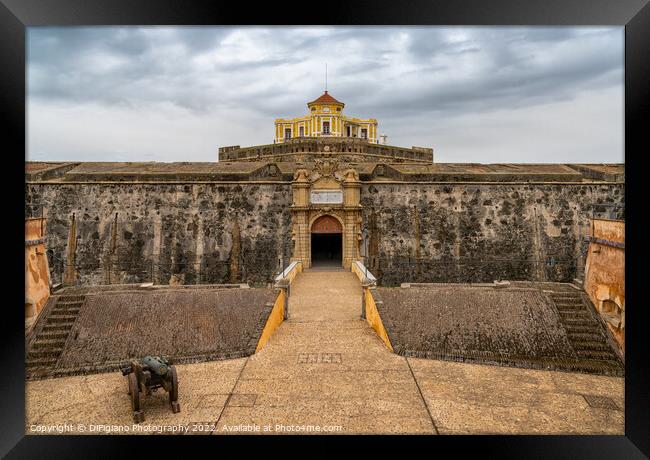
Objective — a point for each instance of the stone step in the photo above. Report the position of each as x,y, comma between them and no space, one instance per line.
566,295
584,322
61,319
582,315
43,354
577,307
64,311
72,298
568,302
594,335
67,306
589,345
52,334
57,327
595,354
581,328
48,344
41,362
69,302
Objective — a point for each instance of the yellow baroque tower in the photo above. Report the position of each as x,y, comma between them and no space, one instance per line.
326,119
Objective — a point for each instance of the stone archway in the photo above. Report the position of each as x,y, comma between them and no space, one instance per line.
326,239
326,191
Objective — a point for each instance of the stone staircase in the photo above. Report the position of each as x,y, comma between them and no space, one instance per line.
586,334
48,342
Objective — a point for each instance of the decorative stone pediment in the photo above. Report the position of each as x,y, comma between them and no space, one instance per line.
326,183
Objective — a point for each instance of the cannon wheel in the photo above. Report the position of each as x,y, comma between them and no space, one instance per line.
173,392
134,391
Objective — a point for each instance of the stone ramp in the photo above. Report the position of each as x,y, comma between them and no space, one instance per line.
550,326
94,331
325,367
325,296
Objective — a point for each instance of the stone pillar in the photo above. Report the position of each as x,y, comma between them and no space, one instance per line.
108,257
299,217
352,210
235,252
70,274
417,253
198,254
373,243
155,247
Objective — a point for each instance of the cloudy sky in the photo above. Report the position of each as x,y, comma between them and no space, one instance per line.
482,95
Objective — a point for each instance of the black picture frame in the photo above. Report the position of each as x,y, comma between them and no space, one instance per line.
17,15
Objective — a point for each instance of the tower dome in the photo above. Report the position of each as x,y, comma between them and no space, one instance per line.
325,99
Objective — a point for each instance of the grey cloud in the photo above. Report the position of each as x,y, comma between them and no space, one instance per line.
406,77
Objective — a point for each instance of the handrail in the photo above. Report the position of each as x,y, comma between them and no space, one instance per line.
286,271
283,282
369,277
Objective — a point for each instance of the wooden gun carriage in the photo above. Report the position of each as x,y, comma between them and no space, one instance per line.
149,374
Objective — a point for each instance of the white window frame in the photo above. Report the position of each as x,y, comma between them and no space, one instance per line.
361,136
329,126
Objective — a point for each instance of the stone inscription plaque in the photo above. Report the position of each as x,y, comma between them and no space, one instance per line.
319,358
327,196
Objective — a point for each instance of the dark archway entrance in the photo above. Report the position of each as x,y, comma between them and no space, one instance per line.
326,242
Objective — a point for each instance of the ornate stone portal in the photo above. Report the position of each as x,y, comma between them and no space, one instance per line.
332,190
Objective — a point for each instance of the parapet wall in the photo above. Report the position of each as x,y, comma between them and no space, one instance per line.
331,145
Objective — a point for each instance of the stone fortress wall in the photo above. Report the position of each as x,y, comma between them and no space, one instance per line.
189,223
470,233
185,234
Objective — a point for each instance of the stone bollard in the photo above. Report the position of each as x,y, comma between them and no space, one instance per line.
283,285
365,284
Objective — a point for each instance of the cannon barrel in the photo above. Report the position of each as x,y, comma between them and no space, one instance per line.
156,365
126,368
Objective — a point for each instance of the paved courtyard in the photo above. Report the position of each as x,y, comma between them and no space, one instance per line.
325,371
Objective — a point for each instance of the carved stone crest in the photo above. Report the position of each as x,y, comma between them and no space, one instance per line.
326,168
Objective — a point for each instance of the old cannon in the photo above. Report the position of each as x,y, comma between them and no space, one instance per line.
147,374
